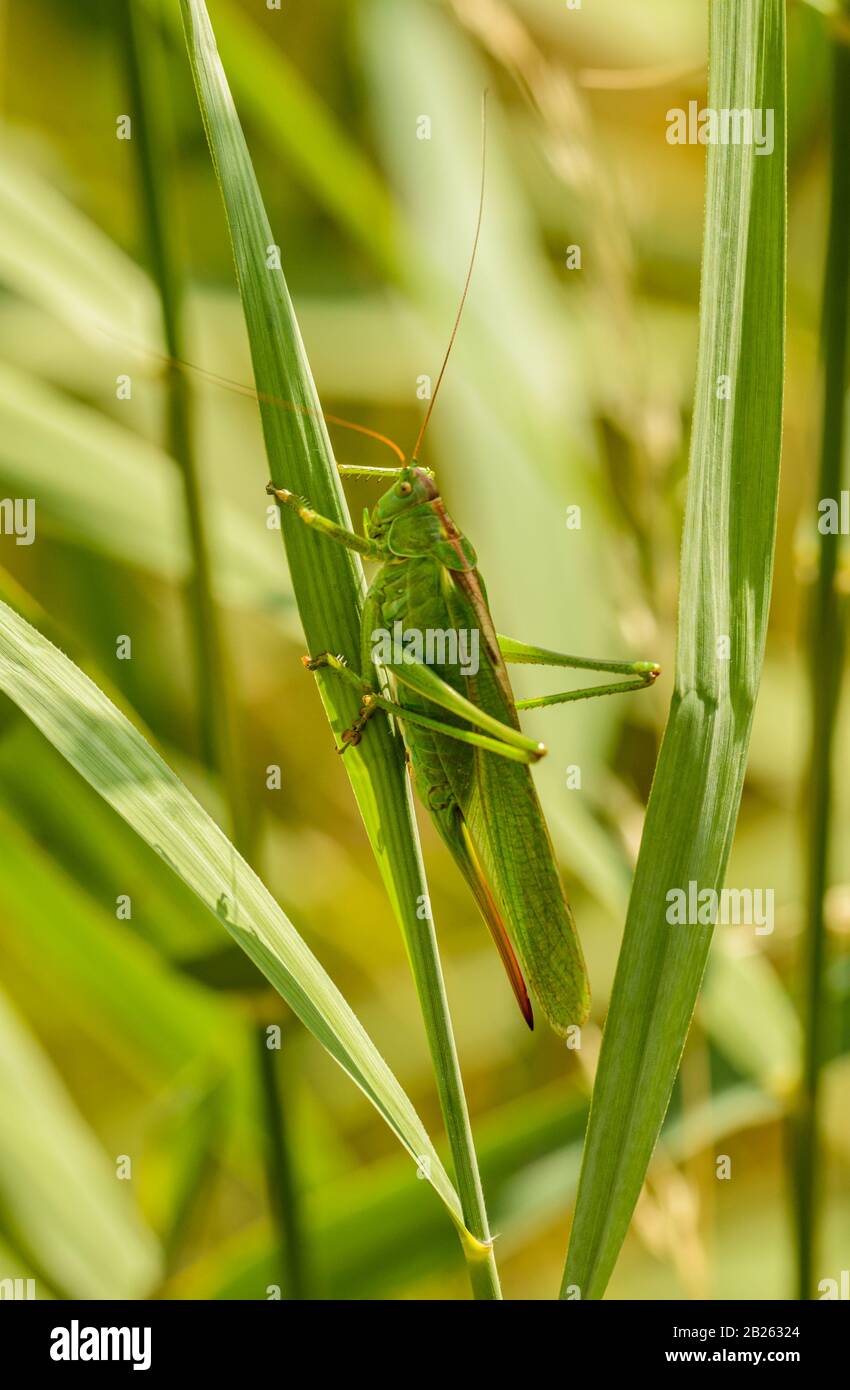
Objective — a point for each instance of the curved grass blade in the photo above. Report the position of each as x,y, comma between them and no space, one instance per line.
328,583
726,570
120,764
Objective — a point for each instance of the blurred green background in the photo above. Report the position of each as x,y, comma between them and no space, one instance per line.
567,388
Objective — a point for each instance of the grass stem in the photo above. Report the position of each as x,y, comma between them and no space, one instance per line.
281,1179
825,653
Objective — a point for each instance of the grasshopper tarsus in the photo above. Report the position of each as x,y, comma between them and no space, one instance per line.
352,736
315,663
289,499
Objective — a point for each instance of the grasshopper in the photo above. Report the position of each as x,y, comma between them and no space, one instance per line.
469,758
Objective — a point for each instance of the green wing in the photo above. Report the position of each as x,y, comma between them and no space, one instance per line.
502,813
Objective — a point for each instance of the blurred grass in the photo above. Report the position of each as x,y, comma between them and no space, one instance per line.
76,1226
152,146
827,634
374,275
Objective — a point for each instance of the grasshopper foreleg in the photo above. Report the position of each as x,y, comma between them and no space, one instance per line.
322,524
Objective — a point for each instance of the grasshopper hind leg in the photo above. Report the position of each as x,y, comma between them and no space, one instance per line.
643,673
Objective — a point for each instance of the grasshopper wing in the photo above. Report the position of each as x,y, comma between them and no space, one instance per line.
505,822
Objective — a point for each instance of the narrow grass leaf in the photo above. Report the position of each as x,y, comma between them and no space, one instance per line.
120,764
328,583
726,569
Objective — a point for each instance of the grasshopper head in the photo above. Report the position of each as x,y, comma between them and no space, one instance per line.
415,485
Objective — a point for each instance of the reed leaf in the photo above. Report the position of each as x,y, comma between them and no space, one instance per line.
114,758
328,584
726,570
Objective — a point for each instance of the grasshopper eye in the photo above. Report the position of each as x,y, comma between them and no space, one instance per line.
405,488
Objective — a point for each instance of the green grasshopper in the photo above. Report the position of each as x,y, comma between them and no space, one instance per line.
469,758
468,755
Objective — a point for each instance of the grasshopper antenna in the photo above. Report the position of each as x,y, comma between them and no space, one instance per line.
419,438
181,365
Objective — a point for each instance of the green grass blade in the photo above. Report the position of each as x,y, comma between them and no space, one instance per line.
826,635
726,570
96,739
328,585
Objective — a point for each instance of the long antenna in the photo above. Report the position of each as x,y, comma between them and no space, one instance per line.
419,438
240,389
